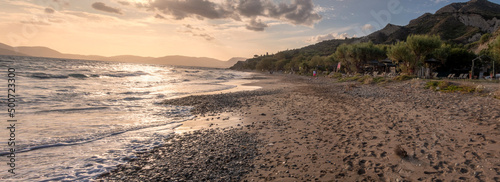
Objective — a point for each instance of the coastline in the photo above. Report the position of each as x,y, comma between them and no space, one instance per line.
298,129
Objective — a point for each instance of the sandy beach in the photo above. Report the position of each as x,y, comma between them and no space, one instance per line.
298,129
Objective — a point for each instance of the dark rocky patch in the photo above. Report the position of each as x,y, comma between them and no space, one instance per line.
207,155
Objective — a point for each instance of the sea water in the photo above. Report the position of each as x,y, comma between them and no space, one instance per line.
78,119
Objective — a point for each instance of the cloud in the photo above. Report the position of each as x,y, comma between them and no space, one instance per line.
49,10
330,36
367,27
193,28
188,8
297,12
439,1
256,25
300,12
194,31
103,7
250,8
35,22
159,16
202,35
125,3
205,36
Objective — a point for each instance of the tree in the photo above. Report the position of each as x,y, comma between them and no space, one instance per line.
411,54
280,64
495,48
266,64
342,54
423,45
495,51
403,57
459,60
316,62
442,53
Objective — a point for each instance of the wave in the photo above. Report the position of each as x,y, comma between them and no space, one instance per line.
74,109
78,75
125,74
47,76
40,75
133,98
94,137
131,93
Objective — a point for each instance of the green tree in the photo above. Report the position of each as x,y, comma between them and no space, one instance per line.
316,62
266,64
280,64
411,54
342,54
495,52
495,48
442,53
459,59
401,55
423,45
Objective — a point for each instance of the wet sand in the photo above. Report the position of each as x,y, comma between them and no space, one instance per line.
297,129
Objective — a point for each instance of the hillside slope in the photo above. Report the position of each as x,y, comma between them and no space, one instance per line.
458,23
38,51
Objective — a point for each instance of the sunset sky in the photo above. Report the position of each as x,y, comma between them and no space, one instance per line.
218,29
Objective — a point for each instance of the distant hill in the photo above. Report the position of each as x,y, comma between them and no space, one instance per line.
458,23
167,60
8,50
462,23
193,61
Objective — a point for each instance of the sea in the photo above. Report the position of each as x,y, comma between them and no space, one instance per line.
77,119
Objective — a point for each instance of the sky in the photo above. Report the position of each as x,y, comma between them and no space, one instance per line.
219,29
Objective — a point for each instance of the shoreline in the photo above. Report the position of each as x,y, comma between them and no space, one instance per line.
322,130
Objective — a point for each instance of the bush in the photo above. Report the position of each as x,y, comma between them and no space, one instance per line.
403,77
336,75
485,38
378,80
444,86
496,94
348,79
366,79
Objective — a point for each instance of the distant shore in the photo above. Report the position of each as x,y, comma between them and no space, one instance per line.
299,129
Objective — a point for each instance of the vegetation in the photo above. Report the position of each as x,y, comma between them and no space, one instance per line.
404,77
444,86
495,48
496,94
354,57
485,38
411,54
408,57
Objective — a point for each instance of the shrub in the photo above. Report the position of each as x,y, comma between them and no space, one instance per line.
348,79
378,80
336,75
366,79
431,85
403,77
496,94
448,87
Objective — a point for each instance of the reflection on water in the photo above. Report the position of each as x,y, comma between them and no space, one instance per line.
90,116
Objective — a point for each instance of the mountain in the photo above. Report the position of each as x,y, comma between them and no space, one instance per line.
8,50
458,23
38,51
191,61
